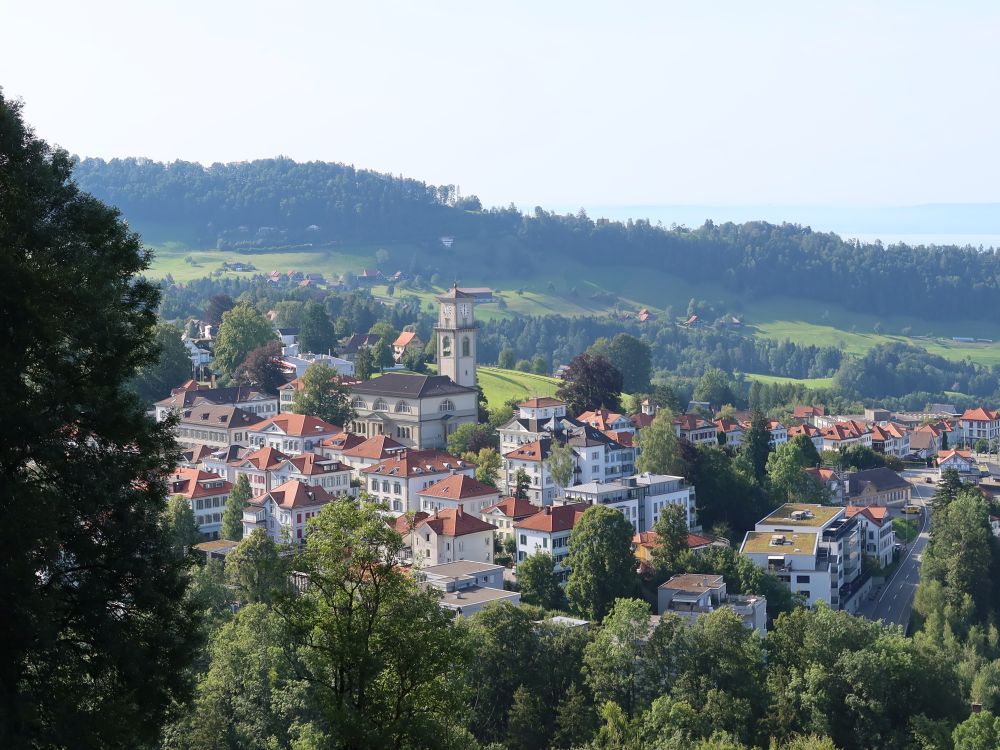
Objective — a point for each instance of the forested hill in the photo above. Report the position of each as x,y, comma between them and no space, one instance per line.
277,203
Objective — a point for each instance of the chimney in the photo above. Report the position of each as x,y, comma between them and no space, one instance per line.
548,510
459,512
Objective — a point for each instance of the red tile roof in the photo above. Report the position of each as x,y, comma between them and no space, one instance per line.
263,459
311,464
516,508
651,539
411,463
691,422
825,475
295,494
945,455
553,518
803,429
192,483
537,450
642,420
404,523
979,415
600,418
342,441
875,514
455,522
541,402
299,425
376,447
404,338
459,487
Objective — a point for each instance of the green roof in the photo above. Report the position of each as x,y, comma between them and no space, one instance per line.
816,515
760,542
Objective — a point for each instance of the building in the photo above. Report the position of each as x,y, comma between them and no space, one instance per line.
813,433
607,421
549,531
806,414
449,535
532,459
506,513
350,348
541,408
458,491
691,595
191,394
358,452
456,337
979,424
215,426
292,433
419,411
829,479
880,486
731,429
286,394
640,498
926,440
877,534
397,481
891,438
645,542
297,363
961,461
695,430
206,493
815,550
284,511
842,435
407,341
465,586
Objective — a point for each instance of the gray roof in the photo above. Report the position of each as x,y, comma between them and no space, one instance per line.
214,415
883,479
410,386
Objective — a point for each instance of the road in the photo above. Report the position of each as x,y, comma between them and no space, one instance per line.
894,602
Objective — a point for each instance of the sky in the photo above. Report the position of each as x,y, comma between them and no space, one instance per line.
536,103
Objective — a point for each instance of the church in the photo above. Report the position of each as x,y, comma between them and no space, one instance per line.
421,411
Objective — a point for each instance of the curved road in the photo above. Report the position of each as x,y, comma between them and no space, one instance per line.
893,603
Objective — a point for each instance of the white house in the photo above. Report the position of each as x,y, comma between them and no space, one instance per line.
191,393
292,433
206,493
397,481
449,535
695,430
981,423
961,461
465,587
299,363
543,407
506,513
549,531
640,498
215,426
458,491
284,511
691,595
877,534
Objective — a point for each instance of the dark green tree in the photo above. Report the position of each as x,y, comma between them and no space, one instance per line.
243,329
316,333
232,516
179,525
538,582
323,395
756,446
171,368
255,569
364,364
590,382
632,357
97,633
521,484
672,535
602,567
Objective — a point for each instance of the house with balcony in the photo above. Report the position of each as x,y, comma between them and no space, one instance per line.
465,587
979,424
695,430
815,550
877,534
691,595
549,531
891,438
640,498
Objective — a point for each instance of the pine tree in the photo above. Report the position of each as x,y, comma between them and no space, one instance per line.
232,516
96,631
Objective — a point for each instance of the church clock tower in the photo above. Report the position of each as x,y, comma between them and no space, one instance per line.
456,336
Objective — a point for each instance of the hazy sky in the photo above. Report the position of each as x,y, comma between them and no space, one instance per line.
552,103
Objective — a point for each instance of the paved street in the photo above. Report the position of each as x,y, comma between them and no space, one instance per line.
893,603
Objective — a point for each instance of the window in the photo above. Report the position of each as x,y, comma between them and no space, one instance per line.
524,538
446,405
359,403
466,346
446,346
396,488
802,579
402,407
380,405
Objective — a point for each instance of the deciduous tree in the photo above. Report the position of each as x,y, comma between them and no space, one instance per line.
232,515
171,367
538,582
590,382
659,452
323,396
602,567
243,329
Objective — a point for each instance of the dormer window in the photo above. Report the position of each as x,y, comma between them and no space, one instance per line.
446,405
380,405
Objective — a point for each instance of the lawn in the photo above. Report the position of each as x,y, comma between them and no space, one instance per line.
905,528
815,383
503,385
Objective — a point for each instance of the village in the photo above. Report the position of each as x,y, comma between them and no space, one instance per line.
465,537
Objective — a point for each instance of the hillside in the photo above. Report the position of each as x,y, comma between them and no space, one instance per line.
783,282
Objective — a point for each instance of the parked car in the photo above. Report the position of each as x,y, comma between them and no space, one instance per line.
929,480
913,509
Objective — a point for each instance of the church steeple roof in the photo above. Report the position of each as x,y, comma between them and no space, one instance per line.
453,294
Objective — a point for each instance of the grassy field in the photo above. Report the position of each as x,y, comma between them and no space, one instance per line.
580,289
815,383
503,385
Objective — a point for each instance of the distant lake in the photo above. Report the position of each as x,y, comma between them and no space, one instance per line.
976,224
